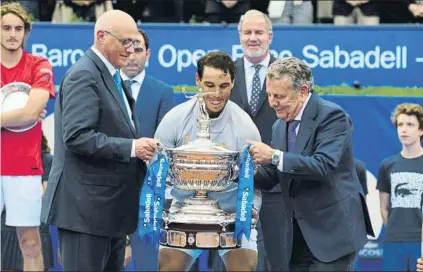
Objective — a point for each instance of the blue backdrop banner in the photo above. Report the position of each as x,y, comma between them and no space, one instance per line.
376,56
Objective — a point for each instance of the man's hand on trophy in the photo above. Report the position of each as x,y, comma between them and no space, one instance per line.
145,147
254,217
262,153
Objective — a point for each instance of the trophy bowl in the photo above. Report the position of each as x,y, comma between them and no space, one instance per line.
202,166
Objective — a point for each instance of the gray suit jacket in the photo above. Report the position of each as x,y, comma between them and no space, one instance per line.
319,181
94,183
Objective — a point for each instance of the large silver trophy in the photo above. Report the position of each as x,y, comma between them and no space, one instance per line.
15,96
200,166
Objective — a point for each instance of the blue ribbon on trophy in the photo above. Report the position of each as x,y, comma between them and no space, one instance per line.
152,200
245,195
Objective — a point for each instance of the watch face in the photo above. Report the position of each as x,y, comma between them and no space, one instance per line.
275,158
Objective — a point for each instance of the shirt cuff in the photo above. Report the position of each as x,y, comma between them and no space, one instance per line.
280,164
133,155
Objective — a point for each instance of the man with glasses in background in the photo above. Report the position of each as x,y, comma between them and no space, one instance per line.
93,191
153,99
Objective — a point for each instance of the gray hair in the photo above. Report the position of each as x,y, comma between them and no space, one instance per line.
255,13
296,69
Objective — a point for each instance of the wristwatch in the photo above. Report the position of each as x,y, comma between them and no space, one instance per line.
276,156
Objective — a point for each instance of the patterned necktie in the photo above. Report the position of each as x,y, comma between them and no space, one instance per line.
292,135
256,88
118,82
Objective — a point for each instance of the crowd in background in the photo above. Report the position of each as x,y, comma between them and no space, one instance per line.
338,12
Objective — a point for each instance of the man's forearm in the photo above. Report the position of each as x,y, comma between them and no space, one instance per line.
385,217
18,117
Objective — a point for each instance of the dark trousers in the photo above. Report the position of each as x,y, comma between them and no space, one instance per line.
85,252
303,260
274,224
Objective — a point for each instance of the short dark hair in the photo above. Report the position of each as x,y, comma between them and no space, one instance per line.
218,60
146,38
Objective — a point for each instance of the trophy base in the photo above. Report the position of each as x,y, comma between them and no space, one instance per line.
199,224
194,236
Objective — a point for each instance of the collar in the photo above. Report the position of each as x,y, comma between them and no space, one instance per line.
264,63
300,114
109,66
138,78
217,124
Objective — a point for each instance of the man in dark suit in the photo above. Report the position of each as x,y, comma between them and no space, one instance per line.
311,157
93,191
153,97
153,100
256,34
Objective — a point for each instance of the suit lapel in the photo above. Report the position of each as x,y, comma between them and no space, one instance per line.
132,106
111,86
283,141
307,124
143,93
241,85
279,135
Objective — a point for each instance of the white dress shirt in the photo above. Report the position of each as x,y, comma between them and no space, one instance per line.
297,129
113,71
136,86
250,71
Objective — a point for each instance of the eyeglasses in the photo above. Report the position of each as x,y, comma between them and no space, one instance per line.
127,42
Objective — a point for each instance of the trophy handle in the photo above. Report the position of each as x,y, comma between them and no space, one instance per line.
234,172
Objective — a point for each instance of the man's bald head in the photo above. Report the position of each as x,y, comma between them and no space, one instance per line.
114,19
112,32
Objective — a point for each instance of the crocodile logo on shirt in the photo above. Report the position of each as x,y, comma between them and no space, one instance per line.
406,190
402,190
